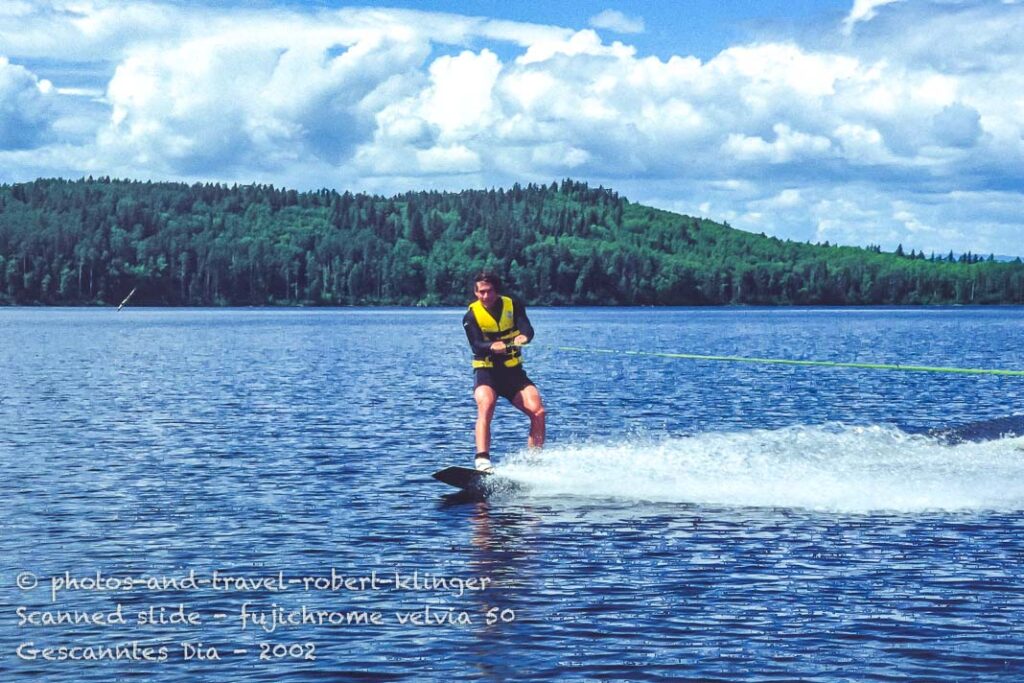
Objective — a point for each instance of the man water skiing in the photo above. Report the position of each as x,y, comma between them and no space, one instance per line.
496,326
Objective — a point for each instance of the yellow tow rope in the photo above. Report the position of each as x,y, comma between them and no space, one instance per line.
815,363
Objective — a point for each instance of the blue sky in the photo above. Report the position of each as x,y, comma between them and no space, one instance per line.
857,122
677,27
691,27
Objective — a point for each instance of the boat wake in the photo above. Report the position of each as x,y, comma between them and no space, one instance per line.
831,467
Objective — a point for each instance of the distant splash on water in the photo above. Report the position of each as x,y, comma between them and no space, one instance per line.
829,468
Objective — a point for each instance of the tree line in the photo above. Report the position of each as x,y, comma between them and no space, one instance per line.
91,241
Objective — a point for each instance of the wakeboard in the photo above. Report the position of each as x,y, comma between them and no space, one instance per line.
465,478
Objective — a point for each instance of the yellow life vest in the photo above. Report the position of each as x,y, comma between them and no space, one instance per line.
502,329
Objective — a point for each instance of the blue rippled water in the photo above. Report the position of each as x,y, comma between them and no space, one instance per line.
690,520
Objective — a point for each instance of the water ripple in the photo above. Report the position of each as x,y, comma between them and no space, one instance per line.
689,521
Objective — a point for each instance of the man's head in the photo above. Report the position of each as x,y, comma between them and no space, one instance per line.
487,287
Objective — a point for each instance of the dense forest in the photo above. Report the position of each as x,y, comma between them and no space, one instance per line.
93,241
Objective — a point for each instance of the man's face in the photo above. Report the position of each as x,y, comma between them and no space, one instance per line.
485,293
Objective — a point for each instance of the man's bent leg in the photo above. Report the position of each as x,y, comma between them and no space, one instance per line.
528,400
485,401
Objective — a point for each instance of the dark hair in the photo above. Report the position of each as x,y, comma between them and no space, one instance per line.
489,277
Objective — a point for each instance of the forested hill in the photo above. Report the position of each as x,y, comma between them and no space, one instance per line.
92,241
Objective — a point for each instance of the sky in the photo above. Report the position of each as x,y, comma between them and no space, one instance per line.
884,122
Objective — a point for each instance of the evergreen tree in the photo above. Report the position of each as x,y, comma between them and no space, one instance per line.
91,241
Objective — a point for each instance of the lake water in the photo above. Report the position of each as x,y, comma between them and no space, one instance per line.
689,520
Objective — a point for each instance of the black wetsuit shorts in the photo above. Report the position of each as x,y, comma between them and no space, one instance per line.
506,382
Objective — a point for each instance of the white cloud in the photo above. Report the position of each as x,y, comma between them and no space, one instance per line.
427,132
26,107
15,8
257,98
788,198
579,44
614,20
862,145
957,125
451,159
88,30
863,10
460,96
789,145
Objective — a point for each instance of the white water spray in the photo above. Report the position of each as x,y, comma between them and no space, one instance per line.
832,467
